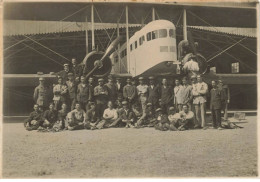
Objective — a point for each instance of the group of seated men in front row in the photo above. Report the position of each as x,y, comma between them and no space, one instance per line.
77,104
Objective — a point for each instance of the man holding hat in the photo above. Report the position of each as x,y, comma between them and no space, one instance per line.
101,95
64,73
199,91
112,90
83,93
129,92
142,91
40,95
72,91
153,93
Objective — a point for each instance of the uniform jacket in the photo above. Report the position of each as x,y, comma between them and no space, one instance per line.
129,91
167,94
51,116
225,92
40,96
60,92
62,115
35,116
64,75
177,94
126,114
83,93
91,116
215,98
112,91
72,88
186,94
101,93
91,92
76,70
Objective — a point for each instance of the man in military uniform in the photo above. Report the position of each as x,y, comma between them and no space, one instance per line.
40,95
76,69
64,73
101,95
119,85
129,92
167,96
153,93
72,88
112,90
91,88
226,98
34,120
142,91
83,93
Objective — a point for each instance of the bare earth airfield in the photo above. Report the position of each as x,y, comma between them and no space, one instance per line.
121,152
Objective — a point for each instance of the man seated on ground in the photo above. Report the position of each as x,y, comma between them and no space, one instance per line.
62,122
126,115
49,117
148,117
110,117
183,120
162,122
34,120
91,117
172,118
138,112
77,118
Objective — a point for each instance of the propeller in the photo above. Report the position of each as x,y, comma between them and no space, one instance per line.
99,62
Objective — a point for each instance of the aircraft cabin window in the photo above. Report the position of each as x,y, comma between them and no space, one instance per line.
131,47
171,33
162,33
148,36
141,40
135,44
155,34
235,67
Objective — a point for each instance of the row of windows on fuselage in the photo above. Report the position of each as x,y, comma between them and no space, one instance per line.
162,33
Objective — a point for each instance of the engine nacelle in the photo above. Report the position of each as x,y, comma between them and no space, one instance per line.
91,59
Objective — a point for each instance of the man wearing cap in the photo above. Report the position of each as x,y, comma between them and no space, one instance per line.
129,92
177,95
83,93
60,94
153,93
126,115
112,90
148,118
64,73
142,91
77,118
119,85
76,69
199,91
101,96
72,91
167,96
226,97
162,122
41,93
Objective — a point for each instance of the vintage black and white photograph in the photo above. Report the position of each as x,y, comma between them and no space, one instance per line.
129,89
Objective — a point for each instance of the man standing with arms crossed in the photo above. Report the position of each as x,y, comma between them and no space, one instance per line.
199,91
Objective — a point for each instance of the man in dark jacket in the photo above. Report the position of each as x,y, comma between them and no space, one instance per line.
83,93
64,73
167,95
101,96
34,120
153,93
129,92
215,105
112,90
72,91
76,69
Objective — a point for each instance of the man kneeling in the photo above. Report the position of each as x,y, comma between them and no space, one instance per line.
182,120
77,118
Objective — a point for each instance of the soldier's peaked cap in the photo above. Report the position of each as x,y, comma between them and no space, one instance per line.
171,109
149,104
100,80
151,78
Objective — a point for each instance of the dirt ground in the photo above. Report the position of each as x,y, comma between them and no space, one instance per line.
125,153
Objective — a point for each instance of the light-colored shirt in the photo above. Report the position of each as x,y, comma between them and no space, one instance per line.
142,89
177,94
199,91
110,113
59,88
186,94
78,114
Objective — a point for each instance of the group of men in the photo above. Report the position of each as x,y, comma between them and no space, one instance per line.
78,103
